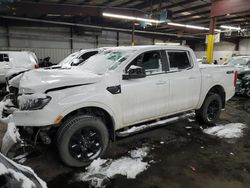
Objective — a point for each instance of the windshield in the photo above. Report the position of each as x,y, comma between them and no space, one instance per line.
243,61
106,60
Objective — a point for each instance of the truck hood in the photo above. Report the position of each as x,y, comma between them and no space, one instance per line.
40,80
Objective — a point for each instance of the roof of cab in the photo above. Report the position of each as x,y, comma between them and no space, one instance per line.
148,47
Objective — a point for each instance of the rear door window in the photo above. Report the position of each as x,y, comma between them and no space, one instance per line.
4,58
178,60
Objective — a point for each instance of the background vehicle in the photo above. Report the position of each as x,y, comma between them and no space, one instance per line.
241,63
45,62
88,105
16,60
12,62
243,83
76,58
10,171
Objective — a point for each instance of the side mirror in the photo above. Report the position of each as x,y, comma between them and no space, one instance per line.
134,72
75,62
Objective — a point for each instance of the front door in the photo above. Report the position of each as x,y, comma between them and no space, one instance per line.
145,98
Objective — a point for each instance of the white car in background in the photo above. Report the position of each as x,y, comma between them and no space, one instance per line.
12,62
75,58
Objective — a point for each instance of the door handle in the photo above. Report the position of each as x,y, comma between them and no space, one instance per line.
161,82
191,77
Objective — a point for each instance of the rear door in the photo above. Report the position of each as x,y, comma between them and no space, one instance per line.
145,98
185,81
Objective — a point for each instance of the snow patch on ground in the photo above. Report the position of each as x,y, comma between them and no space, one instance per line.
102,169
191,120
21,158
231,130
19,176
26,182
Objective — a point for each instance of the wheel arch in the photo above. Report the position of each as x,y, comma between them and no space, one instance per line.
97,111
218,89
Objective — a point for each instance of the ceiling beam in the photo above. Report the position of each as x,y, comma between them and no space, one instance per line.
193,8
93,26
37,9
173,5
126,3
223,7
191,15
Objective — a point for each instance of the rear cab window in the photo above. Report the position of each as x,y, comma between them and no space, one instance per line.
179,60
4,58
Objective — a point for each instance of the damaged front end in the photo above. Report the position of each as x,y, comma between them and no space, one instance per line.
12,135
22,137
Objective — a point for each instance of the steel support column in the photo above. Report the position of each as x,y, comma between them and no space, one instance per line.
96,41
210,41
71,39
117,38
8,35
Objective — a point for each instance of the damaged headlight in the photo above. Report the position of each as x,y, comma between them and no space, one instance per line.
33,101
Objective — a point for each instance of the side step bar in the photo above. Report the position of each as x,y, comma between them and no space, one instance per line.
146,126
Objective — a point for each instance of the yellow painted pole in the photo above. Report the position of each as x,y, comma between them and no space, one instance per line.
210,48
210,41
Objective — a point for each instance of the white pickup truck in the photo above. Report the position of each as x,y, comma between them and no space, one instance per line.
87,106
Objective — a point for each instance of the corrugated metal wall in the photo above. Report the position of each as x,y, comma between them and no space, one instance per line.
56,54
55,41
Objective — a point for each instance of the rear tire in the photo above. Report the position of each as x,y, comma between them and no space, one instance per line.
81,139
210,110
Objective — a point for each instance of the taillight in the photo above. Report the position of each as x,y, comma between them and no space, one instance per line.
36,66
235,78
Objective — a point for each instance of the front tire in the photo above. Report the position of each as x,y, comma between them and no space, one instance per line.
82,139
210,110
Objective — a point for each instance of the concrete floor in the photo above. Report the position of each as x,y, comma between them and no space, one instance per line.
188,157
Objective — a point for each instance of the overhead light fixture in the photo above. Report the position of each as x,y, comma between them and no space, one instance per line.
185,13
196,27
191,26
53,15
119,16
196,16
168,43
176,24
230,27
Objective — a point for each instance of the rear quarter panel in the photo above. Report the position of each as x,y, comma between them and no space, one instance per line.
212,75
